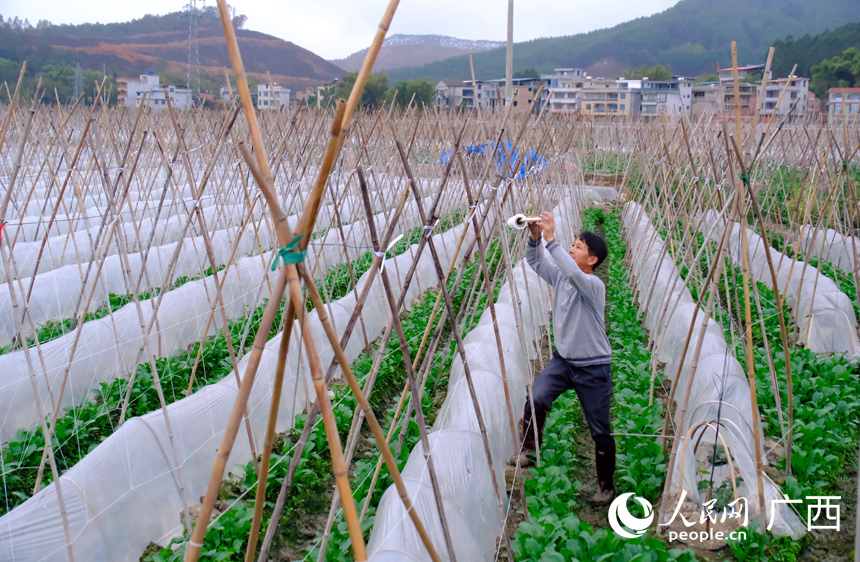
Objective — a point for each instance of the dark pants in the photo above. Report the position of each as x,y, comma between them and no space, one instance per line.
593,386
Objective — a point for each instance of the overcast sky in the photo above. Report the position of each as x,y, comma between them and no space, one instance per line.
338,28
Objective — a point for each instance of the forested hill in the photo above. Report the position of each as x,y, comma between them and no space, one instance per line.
692,36
157,43
810,50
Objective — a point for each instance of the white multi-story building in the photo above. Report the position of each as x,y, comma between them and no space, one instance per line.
131,90
180,98
718,99
795,99
601,97
488,94
562,89
148,89
672,98
272,97
523,90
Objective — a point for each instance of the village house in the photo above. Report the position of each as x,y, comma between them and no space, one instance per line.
672,98
842,105
272,97
132,92
562,89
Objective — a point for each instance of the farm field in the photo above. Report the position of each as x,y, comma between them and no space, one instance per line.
309,334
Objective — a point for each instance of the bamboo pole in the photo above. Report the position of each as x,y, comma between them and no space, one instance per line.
365,408
462,351
13,104
343,116
314,410
488,286
404,348
749,339
783,331
382,345
716,268
46,432
498,182
196,541
219,298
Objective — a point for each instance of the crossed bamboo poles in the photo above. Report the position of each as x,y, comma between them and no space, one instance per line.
741,194
263,177
289,272
800,149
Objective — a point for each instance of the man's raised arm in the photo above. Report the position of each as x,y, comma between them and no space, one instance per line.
534,254
536,260
587,285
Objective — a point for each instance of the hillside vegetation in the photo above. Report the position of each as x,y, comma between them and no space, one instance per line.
157,43
810,50
691,36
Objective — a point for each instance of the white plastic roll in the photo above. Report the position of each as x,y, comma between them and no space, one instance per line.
518,221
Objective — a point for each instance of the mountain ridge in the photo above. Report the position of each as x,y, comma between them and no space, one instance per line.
692,36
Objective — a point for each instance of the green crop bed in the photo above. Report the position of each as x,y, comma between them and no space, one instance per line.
826,391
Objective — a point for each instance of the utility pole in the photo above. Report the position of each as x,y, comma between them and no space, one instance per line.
509,66
79,81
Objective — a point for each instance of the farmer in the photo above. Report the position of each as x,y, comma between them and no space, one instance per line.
581,360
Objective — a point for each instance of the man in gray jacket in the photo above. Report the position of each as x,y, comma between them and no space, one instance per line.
582,358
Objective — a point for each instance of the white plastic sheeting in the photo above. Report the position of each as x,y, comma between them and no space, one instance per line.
55,294
30,228
77,245
841,251
720,391
823,313
110,347
456,445
75,209
77,248
129,491
599,194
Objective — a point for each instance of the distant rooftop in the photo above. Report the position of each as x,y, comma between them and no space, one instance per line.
514,80
750,67
457,83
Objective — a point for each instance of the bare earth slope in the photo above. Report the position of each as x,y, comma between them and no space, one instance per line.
134,54
416,50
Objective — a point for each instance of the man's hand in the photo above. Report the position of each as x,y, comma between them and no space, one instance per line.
535,230
547,224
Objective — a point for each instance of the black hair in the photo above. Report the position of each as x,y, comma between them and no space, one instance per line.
596,246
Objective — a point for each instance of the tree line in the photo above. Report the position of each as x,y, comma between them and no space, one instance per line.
377,91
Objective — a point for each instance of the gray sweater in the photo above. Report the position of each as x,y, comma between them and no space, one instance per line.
578,303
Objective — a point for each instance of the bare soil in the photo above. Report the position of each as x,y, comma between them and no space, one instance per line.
604,180
836,546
